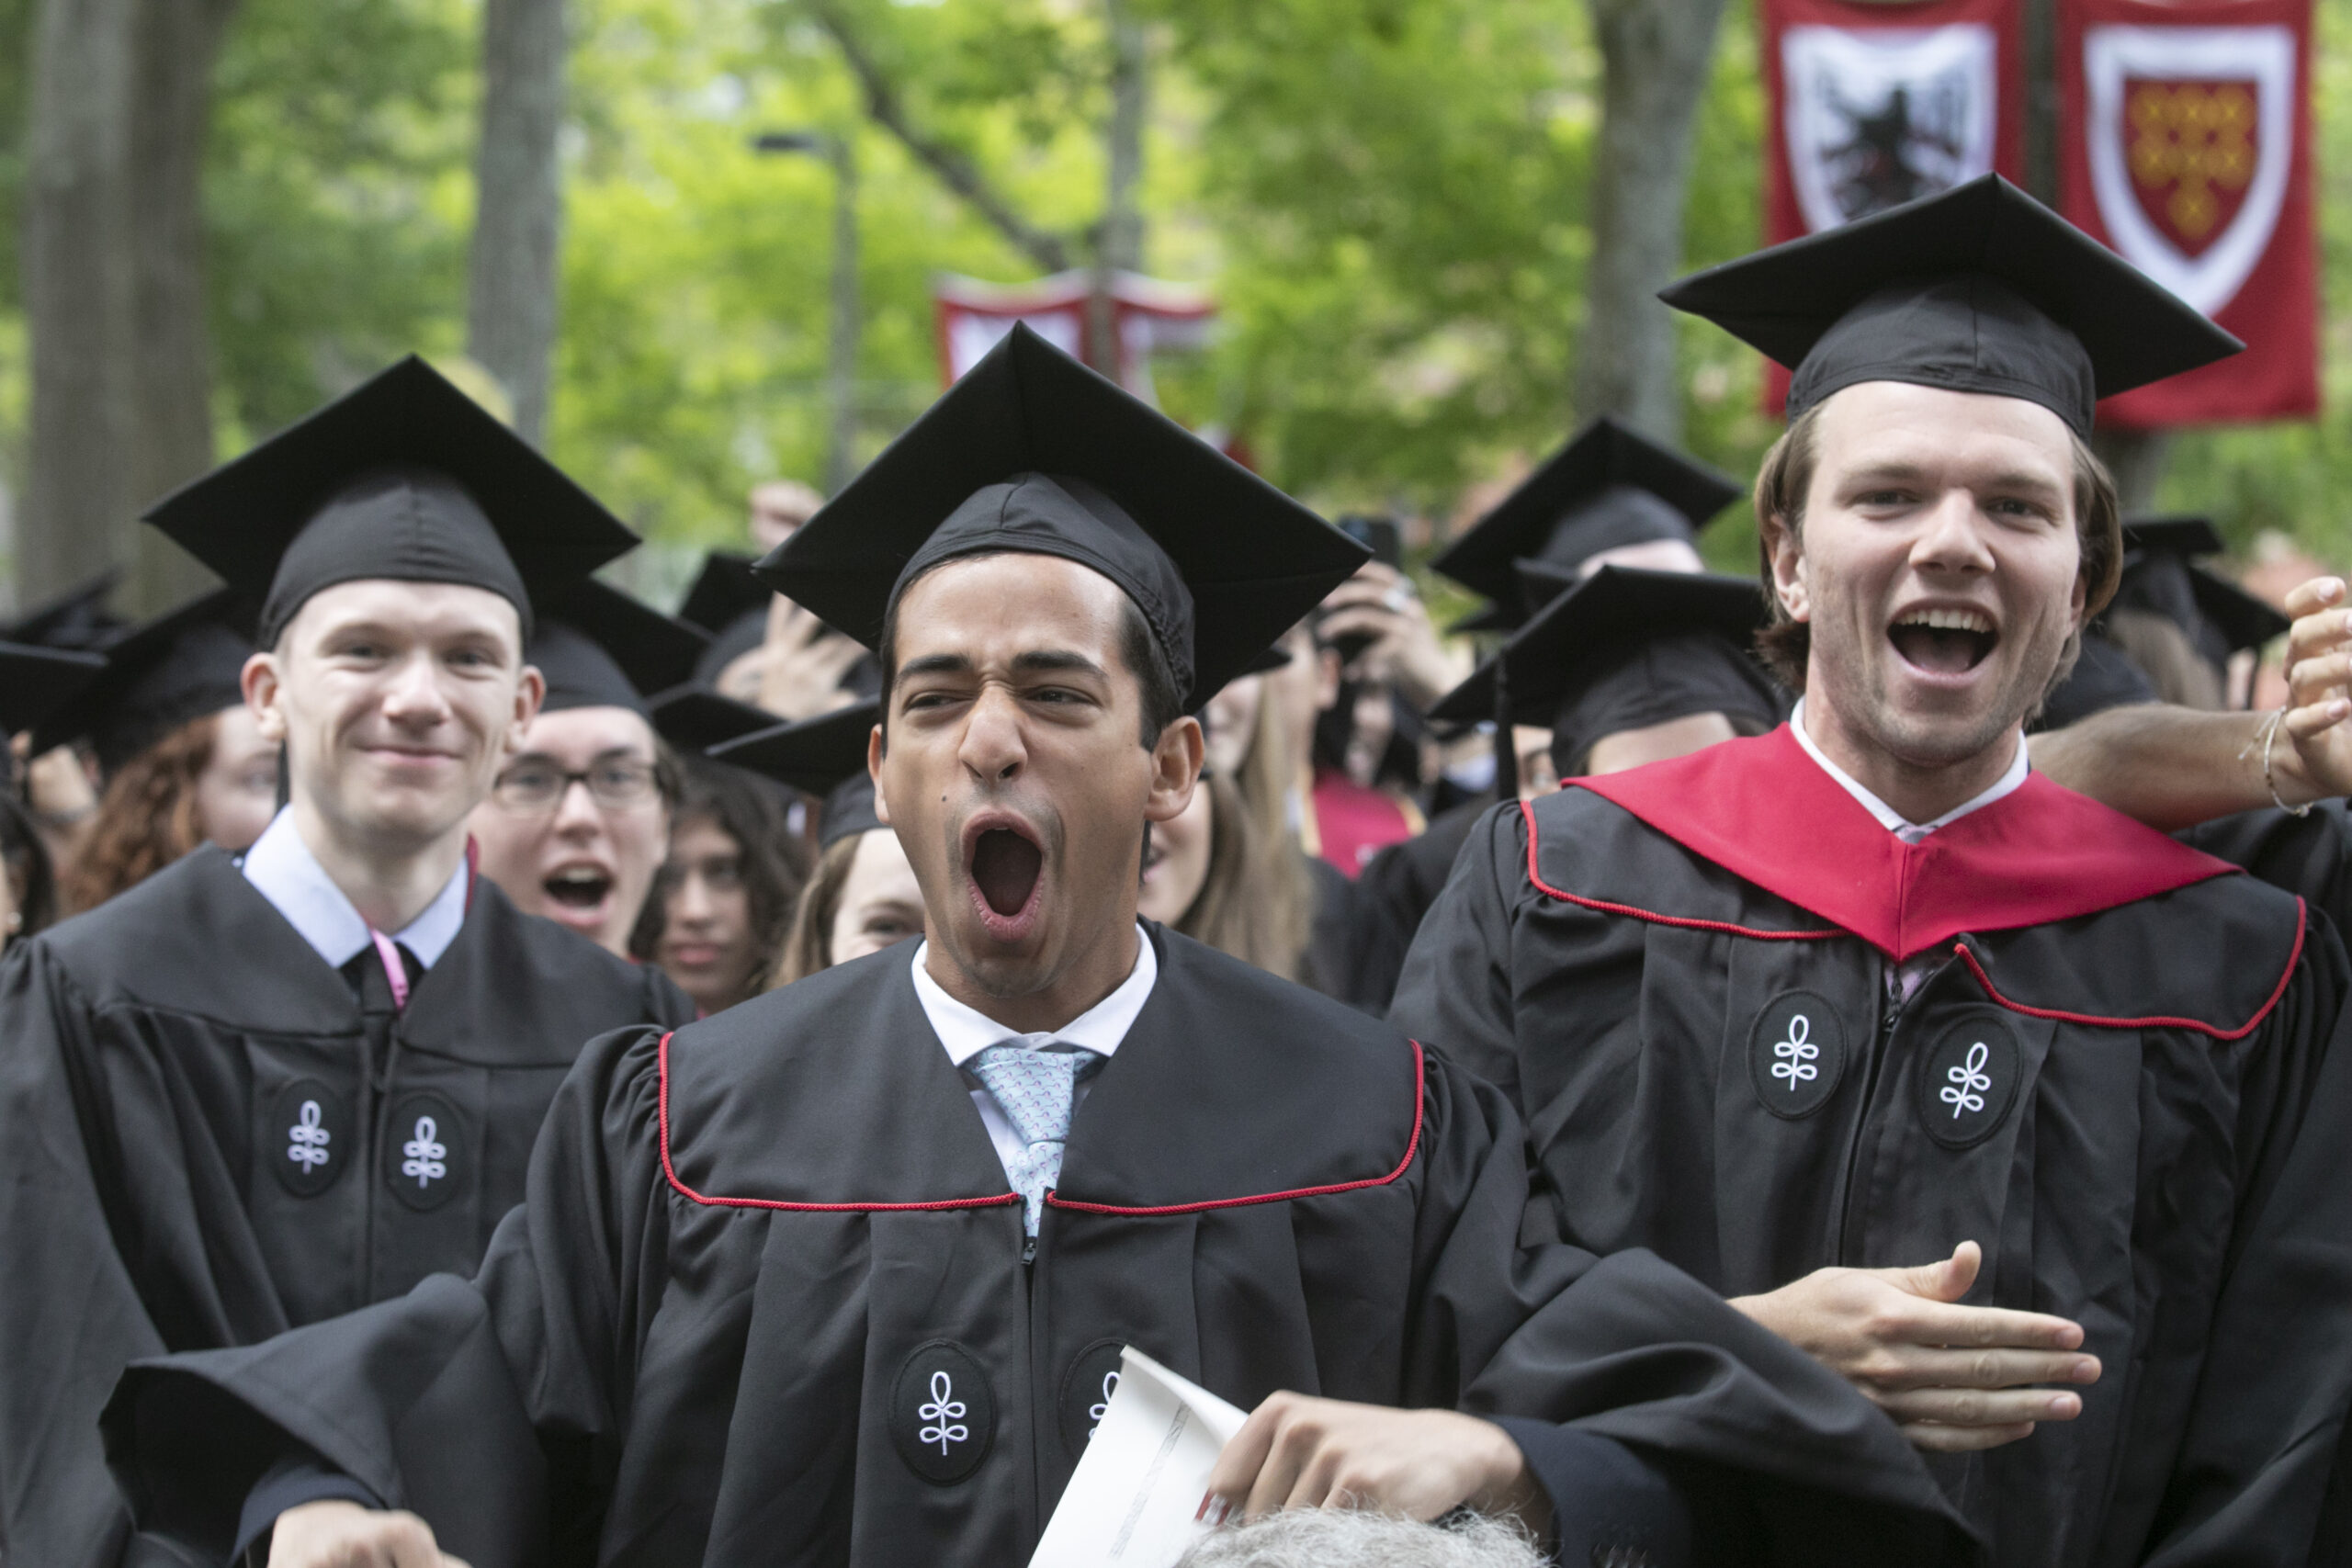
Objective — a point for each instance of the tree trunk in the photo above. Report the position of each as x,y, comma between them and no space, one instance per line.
1655,55
518,215
172,391
1118,239
114,287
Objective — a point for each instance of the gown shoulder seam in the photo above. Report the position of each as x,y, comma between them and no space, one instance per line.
1688,922
670,1174
2097,1020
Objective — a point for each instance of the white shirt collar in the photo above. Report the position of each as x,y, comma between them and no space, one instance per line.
284,871
1888,817
966,1032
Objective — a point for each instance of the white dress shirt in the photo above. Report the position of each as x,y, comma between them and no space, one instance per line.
1906,978
1888,817
284,871
966,1031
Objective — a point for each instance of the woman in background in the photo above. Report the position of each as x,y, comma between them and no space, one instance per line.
864,897
212,780
717,917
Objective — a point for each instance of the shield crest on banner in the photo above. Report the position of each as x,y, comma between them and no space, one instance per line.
1875,117
2190,141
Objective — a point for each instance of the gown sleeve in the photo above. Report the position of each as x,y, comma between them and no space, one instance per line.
2262,1437
68,1291
480,1404
2310,856
1455,993
1777,1457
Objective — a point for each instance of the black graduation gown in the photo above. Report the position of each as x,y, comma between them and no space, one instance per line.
157,1055
760,1255
2122,1079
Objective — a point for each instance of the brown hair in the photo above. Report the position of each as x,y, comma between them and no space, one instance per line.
809,940
1786,479
1277,879
147,818
1227,913
773,861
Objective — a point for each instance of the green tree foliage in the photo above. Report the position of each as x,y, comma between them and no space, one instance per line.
1386,196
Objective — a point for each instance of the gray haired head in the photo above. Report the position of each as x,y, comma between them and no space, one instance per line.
1341,1537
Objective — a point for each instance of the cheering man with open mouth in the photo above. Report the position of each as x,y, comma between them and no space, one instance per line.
2026,1118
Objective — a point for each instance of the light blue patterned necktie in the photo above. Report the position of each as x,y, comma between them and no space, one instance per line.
1033,1089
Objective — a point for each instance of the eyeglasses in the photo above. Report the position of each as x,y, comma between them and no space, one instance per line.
617,786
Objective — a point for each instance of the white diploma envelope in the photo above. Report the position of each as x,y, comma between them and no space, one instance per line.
1135,1501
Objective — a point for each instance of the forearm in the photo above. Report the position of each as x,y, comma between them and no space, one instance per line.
2174,767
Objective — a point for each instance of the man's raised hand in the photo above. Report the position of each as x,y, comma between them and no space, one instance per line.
1952,1377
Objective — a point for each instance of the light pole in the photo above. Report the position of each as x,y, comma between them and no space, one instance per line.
840,352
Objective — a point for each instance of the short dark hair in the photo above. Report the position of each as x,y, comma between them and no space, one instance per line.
1162,700
1786,479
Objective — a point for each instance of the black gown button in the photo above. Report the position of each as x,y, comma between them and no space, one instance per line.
309,1138
1796,1051
943,1413
1969,1079
425,1150
1086,1392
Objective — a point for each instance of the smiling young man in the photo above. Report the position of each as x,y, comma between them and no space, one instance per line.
843,1275
255,1092
2022,1116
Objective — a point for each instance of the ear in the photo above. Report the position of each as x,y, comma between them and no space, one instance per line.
1175,770
1784,548
530,691
263,688
874,756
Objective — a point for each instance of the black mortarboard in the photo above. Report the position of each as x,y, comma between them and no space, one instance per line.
693,717
2219,617
1623,649
405,478
599,648
724,592
1980,289
1032,452
77,619
2189,538
35,682
1609,485
821,756
180,665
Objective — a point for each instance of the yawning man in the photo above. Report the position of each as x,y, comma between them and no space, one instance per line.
763,1256
2026,1118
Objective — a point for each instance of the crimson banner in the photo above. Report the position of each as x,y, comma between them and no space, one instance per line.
1874,103
2188,149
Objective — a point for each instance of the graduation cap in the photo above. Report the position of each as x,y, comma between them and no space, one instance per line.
822,756
36,682
405,478
599,648
1032,452
724,592
180,665
77,619
2160,576
1622,649
1608,487
693,717
1979,289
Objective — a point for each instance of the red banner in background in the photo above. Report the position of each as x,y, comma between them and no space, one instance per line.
1874,103
2187,148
